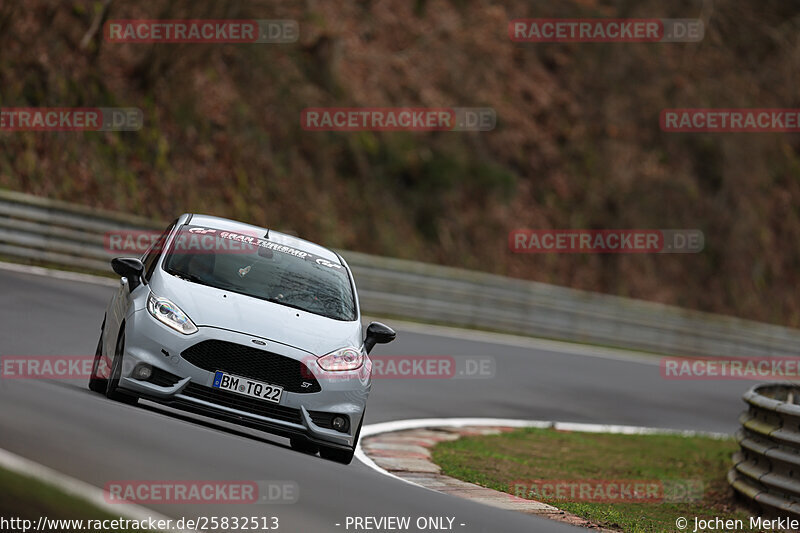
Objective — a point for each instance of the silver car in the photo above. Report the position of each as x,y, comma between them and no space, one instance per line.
242,324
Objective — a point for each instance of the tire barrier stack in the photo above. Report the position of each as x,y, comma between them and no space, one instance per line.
766,470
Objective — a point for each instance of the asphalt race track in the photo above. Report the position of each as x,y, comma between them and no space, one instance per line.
66,427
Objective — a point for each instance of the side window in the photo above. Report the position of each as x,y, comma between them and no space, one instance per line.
152,255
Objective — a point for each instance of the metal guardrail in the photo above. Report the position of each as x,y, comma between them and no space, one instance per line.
44,230
766,470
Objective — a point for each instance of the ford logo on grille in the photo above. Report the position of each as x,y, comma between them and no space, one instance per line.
260,343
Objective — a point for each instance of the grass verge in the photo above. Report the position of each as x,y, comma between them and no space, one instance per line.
26,498
688,472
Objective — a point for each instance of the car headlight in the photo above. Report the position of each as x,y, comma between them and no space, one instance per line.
341,360
170,314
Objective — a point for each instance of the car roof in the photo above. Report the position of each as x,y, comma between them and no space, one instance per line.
274,236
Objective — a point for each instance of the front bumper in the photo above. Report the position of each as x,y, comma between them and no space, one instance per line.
150,342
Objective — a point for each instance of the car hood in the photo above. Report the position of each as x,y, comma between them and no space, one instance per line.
218,308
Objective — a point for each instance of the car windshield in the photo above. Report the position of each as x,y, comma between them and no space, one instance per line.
262,269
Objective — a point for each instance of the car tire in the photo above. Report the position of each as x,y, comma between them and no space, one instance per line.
339,455
113,391
97,384
303,445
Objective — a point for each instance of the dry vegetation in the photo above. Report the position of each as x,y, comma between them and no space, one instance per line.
577,142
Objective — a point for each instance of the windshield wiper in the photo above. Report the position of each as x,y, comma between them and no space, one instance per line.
188,277
230,286
215,283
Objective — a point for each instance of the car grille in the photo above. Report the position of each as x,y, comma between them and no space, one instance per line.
291,374
242,403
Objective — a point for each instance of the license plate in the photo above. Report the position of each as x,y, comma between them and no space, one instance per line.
247,387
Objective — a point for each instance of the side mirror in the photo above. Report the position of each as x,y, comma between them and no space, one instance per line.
130,268
378,333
